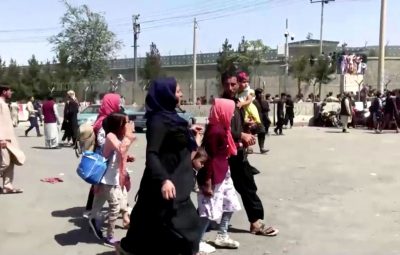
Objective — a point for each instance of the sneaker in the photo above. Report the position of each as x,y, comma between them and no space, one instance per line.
95,228
206,248
224,241
110,241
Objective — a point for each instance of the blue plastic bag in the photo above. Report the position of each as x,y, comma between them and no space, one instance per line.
92,167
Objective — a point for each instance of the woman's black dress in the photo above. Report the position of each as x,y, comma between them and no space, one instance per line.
159,226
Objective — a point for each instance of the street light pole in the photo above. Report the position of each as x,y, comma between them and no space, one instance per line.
136,31
323,2
287,35
194,60
381,63
287,48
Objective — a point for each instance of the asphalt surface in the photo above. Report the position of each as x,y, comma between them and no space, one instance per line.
327,192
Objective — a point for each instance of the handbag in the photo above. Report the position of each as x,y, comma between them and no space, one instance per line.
92,167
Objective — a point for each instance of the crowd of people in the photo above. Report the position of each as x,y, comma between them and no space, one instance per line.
177,157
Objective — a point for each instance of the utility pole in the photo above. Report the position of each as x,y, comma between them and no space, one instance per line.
381,63
287,35
194,60
323,2
136,31
287,48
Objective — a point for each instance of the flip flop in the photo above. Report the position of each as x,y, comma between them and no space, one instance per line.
11,191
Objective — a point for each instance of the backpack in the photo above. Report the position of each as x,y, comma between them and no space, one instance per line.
86,139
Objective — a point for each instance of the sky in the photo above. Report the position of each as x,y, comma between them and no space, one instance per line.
26,25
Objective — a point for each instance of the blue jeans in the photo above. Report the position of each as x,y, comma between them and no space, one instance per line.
34,124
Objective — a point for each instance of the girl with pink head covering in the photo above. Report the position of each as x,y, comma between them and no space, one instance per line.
217,198
110,104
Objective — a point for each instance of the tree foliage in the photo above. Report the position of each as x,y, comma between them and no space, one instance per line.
248,56
322,71
85,43
301,70
152,65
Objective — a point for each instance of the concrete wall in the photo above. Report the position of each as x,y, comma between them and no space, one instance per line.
268,76
303,112
392,72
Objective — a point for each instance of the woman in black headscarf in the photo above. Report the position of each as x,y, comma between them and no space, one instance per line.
164,215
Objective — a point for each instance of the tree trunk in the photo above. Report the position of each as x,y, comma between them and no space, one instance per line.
319,92
298,87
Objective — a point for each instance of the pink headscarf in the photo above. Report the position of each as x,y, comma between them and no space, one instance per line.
221,113
110,104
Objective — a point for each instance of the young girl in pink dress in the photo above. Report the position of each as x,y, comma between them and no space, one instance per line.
217,198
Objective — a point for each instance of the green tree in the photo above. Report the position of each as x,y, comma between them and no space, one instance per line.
13,77
322,70
226,58
152,65
248,56
301,70
47,78
3,68
87,41
63,70
31,78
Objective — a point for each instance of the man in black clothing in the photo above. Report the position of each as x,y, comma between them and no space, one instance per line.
241,170
263,109
289,115
280,115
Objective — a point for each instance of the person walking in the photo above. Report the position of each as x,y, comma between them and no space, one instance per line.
10,154
32,117
241,170
119,136
217,198
263,109
280,114
164,211
345,111
289,114
390,111
14,113
51,122
376,111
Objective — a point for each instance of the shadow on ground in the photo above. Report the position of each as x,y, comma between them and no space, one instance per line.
81,234
238,230
107,253
44,148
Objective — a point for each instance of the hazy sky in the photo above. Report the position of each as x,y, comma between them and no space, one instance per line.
26,24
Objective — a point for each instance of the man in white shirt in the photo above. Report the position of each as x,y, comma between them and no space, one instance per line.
10,154
32,117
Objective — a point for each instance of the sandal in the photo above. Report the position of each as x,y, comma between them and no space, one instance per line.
11,191
264,230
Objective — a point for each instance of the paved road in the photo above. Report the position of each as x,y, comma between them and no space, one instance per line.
328,193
